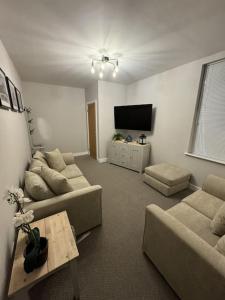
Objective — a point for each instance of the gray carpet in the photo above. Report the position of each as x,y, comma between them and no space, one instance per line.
111,263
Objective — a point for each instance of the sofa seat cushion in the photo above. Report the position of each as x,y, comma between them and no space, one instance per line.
79,183
168,174
195,221
71,171
204,203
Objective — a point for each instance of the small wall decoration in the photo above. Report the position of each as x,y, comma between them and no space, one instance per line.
12,94
19,100
4,95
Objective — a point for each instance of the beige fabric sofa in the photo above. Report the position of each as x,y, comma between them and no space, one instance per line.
180,243
83,205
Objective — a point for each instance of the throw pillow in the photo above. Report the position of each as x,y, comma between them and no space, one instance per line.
217,225
57,182
220,246
55,160
36,187
36,163
40,156
36,170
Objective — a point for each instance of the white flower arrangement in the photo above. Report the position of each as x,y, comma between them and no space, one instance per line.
22,218
16,195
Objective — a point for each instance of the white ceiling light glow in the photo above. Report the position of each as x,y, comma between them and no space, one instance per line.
101,63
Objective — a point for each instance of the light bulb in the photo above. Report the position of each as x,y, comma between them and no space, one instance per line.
101,74
114,74
117,66
92,67
92,70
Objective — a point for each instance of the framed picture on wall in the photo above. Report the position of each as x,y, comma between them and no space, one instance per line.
4,94
19,100
12,95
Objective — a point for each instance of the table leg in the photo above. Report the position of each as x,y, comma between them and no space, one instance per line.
74,277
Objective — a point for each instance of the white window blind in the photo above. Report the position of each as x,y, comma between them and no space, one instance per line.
209,139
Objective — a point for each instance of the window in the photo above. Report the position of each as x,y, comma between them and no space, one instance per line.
209,129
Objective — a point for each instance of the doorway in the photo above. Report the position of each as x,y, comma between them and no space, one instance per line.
92,129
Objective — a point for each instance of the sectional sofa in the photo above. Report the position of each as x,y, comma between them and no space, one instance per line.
182,245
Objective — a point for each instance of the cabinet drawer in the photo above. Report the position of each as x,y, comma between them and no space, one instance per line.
135,158
135,149
114,151
124,149
123,159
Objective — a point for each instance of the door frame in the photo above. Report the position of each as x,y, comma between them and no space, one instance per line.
96,126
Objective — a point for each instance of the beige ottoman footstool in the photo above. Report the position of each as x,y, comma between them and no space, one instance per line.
166,178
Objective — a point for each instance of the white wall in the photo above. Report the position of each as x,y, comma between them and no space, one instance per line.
174,95
109,95
59,116
91,92
14,156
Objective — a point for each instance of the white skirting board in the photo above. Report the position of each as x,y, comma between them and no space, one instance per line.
102,160
81,153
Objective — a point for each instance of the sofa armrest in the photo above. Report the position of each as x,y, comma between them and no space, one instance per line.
215,186
83,206
194,269
68,158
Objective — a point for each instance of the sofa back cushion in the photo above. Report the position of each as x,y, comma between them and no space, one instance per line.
215,186
71,171
217,224
57,182
36,163
55,160
220,246
36,187
40,156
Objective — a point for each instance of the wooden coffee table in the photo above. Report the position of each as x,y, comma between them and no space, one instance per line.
62,251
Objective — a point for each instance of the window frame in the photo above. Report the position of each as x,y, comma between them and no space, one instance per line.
197,113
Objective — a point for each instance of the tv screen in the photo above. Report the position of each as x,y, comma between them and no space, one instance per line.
133,117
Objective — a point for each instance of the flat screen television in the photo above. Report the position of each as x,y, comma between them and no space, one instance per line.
133,117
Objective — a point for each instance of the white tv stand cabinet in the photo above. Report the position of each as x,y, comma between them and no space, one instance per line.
129,155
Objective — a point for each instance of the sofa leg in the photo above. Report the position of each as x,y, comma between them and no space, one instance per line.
83,237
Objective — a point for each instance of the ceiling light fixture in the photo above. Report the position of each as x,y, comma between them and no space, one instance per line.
117,66
92,68
102,62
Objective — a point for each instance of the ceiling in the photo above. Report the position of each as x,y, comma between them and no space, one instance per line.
53,41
